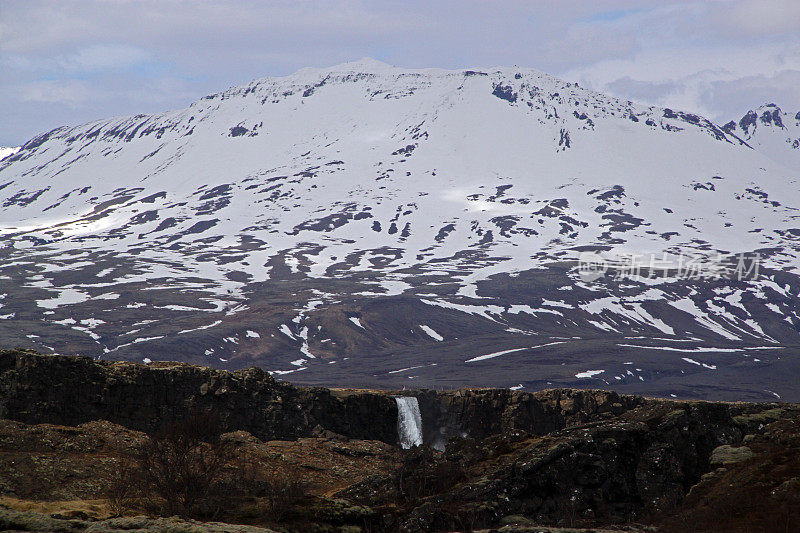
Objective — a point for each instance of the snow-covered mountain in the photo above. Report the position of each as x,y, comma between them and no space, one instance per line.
771,131
371,225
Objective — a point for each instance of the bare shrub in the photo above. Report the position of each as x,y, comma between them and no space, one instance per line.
188,468
121,488
282,492
261,491
184,469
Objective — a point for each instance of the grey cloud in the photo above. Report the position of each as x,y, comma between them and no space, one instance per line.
76,60
67,92
99,57
748,93
642,91
763,17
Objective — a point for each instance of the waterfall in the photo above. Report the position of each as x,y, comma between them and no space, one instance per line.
409,422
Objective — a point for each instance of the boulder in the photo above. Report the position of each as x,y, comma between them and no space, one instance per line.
727,454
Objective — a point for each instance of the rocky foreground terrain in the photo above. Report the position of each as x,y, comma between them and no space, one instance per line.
313,459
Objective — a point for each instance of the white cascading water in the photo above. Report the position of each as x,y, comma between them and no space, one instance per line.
409,422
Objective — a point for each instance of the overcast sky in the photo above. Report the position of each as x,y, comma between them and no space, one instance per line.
68,62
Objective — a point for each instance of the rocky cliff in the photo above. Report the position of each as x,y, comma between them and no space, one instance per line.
622,468
72,390
69,390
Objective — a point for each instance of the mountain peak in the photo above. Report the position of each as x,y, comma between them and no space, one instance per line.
364,64
770,130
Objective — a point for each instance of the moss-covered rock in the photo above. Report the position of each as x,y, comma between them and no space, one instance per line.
726,454
30,521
